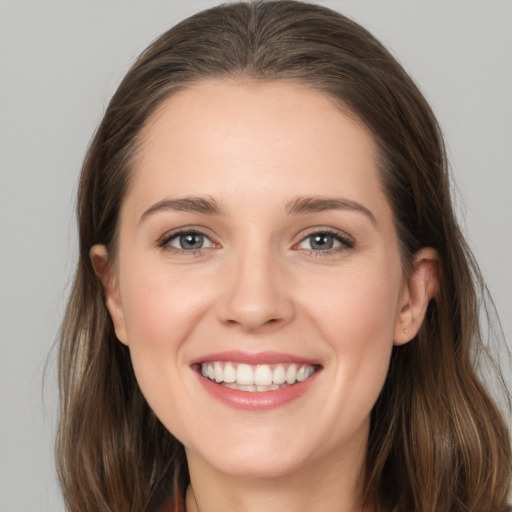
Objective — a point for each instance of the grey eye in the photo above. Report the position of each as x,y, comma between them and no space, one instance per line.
320,242
190,241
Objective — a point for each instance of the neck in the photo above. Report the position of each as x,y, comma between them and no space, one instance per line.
332,485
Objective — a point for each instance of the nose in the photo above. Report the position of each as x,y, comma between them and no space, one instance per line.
256,295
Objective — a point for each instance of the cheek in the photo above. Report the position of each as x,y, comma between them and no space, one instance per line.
162,307
359,303
159,307
156,315
159,317
357,315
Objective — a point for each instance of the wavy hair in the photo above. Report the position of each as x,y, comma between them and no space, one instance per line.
437,440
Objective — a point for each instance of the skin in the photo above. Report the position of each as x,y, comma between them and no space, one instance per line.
257,285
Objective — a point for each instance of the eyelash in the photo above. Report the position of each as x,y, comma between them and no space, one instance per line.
164,242
345,242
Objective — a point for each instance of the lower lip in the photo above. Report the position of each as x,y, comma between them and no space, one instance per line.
256,400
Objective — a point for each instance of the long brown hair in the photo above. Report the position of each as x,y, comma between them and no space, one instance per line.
437,441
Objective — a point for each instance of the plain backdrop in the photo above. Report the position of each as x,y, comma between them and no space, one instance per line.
59,64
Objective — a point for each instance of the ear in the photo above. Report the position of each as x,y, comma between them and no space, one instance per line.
105,272
421,286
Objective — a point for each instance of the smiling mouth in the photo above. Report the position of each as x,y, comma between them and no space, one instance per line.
256,378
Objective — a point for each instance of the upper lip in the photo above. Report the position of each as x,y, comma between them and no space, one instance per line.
268,357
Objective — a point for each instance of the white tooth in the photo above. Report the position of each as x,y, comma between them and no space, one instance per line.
262,388
211,372
311,370
204,370
247,388
244,375
291,373
302,374
279,374
229,373
219,374
263,375
231,385
273,387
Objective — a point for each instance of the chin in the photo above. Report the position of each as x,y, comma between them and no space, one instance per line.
255,455
263,466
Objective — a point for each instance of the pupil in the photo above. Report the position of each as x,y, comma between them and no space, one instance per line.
323,241
191,241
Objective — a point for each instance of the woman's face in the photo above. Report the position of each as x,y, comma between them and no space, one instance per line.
258,281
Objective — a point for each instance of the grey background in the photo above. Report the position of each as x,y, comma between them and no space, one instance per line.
59,64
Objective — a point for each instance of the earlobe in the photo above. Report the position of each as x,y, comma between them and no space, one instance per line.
105,272
421,287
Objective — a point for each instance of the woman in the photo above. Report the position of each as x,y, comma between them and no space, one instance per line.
274,306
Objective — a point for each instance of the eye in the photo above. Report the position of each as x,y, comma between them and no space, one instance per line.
325,241
186,241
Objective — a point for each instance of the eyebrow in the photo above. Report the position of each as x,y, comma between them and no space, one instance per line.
297,206
311,204
206,205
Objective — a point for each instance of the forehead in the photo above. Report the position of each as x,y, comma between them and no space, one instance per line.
214,137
